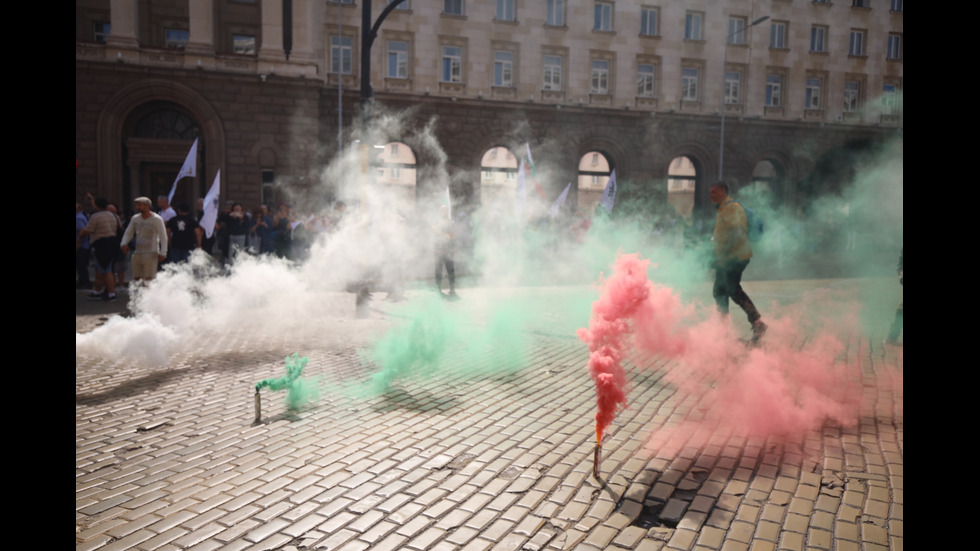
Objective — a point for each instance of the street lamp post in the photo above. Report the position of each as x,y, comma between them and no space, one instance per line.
724,71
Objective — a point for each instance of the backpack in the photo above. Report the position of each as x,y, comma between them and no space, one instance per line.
754,223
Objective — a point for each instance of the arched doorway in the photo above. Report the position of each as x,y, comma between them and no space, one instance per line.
498,179
594,169
498,175
157,138
396,176
682,178
768,180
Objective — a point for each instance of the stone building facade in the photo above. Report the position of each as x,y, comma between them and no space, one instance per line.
272,89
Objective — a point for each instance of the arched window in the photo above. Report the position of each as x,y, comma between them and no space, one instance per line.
396,172
767,177
166,124
593,175
498,176
681,183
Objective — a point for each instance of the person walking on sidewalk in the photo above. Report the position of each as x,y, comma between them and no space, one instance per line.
732,253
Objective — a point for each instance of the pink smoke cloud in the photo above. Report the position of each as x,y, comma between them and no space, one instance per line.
797,381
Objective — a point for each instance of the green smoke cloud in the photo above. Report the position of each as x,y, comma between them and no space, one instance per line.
299,391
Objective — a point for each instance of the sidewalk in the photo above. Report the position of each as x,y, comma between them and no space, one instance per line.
471,457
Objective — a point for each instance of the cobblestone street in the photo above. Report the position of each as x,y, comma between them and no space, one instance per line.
172,457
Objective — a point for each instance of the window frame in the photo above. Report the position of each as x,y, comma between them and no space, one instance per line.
389,52
101,31
814,89
777,39
237,50
690,82
505,67
646,14
736,36
774,90
893,47
546,72
554,13
349,48
818,38
602,17
600,77
646,81
852,96
694,25
179,44
453,4
506,10
857,43
732,88
889,99
455,64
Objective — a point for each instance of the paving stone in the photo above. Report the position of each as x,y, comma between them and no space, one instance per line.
453,461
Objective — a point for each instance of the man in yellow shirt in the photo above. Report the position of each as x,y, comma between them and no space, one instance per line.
732,254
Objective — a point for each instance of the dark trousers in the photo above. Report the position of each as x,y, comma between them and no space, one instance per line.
450,270
81,268
728,285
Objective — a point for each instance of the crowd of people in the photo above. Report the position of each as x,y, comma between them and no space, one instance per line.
112,243
115,245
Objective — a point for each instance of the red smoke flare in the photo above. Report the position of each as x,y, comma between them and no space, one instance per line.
621,296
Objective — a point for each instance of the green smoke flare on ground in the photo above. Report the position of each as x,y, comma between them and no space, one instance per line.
299,391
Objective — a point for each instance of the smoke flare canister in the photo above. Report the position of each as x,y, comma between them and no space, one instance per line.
258,406
596,460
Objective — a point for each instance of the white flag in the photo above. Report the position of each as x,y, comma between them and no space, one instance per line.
449,205
609,194
189,168
559,202
520,200
211,206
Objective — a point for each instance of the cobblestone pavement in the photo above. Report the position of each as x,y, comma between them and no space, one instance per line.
172,457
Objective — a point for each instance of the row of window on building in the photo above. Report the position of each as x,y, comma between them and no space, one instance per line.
173,37
451,71
649,25
604,11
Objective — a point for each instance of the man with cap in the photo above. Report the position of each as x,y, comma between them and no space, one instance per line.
151,240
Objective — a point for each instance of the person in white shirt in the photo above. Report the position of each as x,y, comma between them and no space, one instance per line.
150,233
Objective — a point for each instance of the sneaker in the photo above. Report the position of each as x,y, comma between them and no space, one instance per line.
758,330
109,298
95,295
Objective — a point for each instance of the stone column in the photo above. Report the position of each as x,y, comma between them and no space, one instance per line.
271,49
124,18
305,19
201,41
